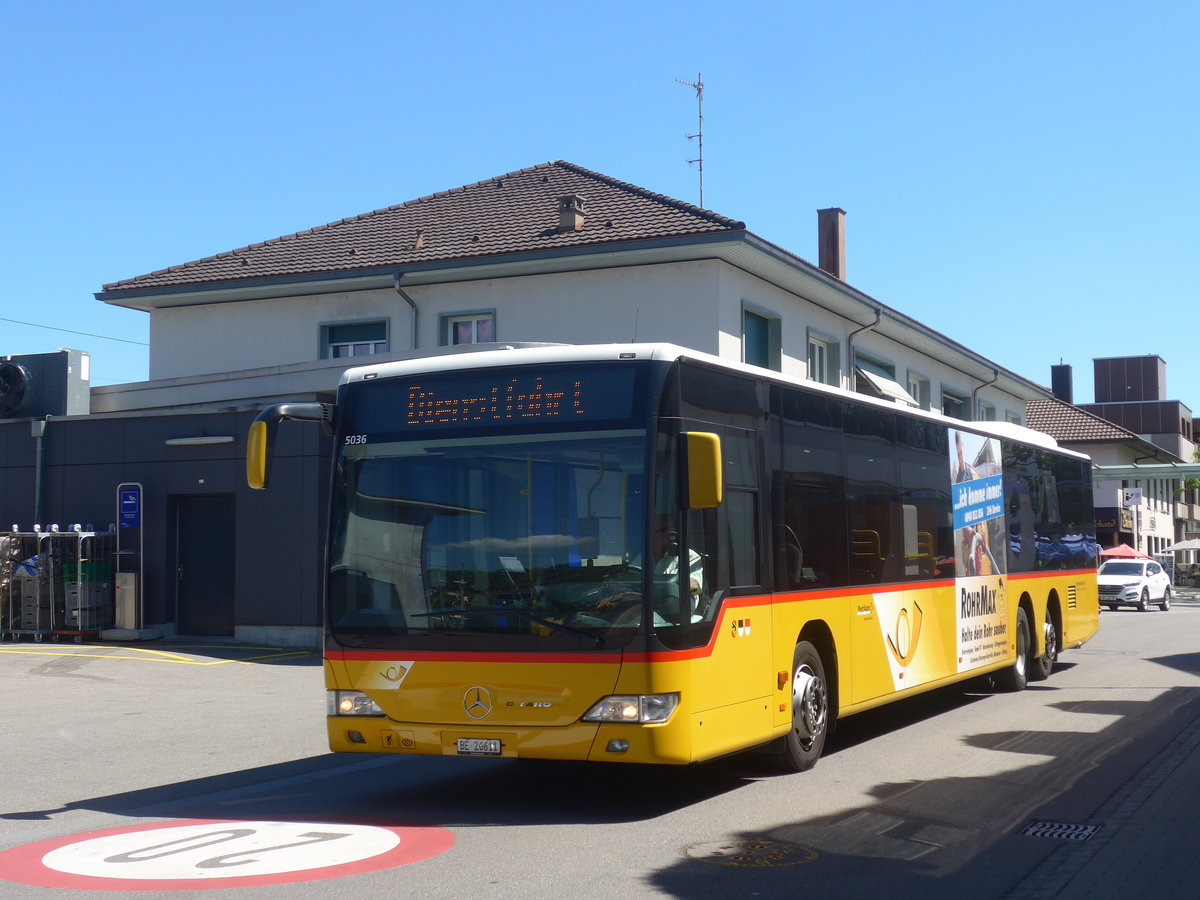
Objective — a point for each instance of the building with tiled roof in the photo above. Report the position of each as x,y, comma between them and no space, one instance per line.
1069,424
497,219
553,253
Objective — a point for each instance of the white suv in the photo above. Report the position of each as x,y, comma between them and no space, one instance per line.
1134,582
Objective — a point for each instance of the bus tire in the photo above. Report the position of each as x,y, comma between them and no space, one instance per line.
801,747
1016,676
1044,664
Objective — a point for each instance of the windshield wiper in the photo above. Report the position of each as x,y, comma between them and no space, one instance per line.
558,627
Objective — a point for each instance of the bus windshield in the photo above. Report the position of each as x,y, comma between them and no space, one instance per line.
493,541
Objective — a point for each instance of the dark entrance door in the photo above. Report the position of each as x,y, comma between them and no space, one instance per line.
204,570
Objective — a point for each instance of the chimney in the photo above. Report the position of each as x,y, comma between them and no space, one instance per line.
831,242
570,213
1060,382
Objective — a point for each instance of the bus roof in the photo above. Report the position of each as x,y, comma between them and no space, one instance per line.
507,355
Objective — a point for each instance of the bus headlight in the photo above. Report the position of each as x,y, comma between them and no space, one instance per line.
350,703
637,709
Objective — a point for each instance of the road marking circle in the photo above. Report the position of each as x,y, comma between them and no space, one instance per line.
220,853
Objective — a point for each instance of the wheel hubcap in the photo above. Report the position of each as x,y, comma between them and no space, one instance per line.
1051,641
809,704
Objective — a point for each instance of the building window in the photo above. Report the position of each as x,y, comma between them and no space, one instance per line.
824,363
354,339
987,412
469,328
761,344
877,378
1010,416
918,386
955,405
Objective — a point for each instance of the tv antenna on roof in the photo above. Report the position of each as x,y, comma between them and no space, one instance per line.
698,86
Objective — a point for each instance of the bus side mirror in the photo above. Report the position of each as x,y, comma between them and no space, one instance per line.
261,439
258,453
702,465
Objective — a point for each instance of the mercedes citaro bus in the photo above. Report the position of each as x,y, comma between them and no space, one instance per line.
641,553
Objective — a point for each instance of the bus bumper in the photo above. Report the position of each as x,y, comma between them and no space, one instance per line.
667,743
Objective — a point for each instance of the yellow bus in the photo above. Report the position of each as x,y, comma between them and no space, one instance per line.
641,553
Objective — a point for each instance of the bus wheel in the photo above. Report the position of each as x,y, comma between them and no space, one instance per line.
1044,664
1016,676
801,747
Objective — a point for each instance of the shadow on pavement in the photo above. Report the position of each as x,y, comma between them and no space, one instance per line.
950,837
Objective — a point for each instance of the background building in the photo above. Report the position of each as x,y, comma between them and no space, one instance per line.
1131,423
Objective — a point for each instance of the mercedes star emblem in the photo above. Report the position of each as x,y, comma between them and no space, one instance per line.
477,702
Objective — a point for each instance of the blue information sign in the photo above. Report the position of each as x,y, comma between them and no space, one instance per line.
129,500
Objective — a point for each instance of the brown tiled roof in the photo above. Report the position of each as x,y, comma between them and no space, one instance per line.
1065,422
513,213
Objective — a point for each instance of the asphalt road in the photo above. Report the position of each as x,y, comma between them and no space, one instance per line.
925,797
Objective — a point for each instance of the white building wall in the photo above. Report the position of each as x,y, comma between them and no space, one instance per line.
227,337
697,304
673,302
1155,516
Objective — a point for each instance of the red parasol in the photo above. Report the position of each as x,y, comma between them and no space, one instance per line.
1123,550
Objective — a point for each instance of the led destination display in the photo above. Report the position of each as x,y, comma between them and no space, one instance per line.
509,399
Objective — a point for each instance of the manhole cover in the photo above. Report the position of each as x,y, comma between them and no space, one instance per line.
1063,831
750,853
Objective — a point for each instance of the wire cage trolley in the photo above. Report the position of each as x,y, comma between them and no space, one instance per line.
56,583
24,606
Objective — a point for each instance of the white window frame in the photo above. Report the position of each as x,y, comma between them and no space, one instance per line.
921,389
448,321
831,349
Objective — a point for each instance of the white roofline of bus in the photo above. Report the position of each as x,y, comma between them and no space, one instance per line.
504,356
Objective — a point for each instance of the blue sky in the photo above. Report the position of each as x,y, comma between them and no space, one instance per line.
1021,176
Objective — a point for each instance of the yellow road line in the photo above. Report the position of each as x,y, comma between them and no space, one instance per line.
163,656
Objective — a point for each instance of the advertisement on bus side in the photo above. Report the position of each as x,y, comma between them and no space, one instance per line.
977,499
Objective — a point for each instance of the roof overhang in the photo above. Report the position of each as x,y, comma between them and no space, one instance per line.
602,256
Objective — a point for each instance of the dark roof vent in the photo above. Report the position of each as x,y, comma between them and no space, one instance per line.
570,213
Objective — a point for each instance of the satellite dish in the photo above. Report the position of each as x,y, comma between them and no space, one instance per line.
14,388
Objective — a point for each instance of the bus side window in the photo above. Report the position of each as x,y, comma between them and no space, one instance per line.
707,589
741,519
739,514
791,569
811,546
